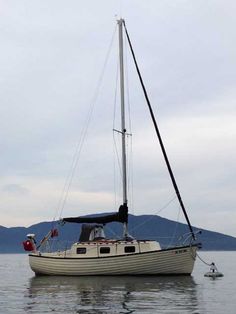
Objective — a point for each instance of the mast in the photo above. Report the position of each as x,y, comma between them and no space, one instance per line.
123,128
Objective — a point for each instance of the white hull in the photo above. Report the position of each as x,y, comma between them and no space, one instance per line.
175,261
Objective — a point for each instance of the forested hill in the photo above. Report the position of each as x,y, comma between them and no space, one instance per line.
167,232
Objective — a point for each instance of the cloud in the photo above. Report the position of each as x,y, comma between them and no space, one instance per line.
51,60
15,189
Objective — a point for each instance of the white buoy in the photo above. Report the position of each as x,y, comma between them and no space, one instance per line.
213,273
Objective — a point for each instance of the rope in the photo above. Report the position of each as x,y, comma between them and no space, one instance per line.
208,264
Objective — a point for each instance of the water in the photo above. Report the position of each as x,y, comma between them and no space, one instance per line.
22,292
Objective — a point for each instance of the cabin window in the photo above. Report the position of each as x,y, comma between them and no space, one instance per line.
129,249
81,250
104,250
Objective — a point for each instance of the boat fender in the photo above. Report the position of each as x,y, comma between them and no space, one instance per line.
28,246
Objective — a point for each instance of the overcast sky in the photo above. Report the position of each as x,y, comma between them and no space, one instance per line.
51,59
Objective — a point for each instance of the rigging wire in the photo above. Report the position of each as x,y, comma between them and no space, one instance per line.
130,182
117,155
155,213
114,127
115,152
175,231
159,136
79,146
112,231
129,135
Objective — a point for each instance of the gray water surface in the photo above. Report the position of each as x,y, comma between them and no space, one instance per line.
22,292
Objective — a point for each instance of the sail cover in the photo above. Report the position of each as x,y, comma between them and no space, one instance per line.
121,216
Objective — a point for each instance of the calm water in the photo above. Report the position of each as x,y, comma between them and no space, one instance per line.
22,292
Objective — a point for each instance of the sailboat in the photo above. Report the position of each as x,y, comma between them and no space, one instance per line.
94,254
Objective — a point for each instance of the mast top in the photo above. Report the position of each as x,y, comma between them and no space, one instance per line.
120,20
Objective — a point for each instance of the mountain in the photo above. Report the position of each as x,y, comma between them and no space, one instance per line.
167,232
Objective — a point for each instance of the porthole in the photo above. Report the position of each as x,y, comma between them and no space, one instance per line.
129,249
81,250
104,250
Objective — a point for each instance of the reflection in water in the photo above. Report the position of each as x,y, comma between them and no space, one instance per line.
111,295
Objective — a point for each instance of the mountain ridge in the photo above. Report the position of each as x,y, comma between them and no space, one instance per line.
153,227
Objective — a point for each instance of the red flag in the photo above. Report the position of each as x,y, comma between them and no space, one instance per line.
54,233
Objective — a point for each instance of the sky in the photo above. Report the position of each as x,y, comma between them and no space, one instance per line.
58,62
